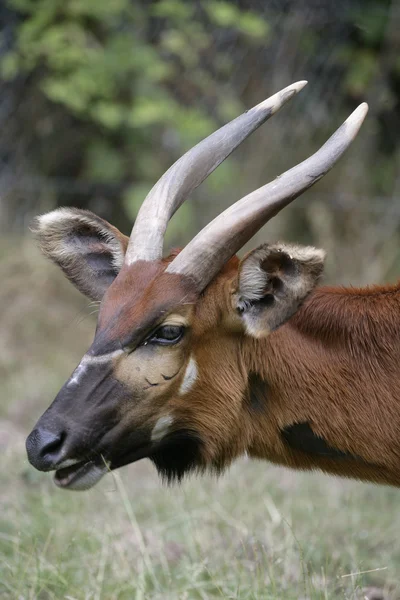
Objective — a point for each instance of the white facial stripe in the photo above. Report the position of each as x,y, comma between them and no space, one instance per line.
77,374
161,428
102,358
91,360
189,377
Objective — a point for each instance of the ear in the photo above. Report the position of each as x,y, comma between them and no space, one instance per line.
272,283
89,250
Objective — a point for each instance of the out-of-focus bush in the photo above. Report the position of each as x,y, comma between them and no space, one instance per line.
99,98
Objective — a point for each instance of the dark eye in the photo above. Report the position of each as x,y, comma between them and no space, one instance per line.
167,335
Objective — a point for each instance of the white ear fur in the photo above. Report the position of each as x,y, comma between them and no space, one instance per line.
273,281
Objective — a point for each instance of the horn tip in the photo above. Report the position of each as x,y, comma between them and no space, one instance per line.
274,103
293,89
299,85
355,120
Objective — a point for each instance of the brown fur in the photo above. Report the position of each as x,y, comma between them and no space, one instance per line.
335,365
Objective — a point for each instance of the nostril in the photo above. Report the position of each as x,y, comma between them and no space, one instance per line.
44,448
51,443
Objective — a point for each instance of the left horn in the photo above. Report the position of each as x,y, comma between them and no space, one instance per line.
147,237
205,255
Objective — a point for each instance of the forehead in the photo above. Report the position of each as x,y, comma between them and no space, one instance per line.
140,297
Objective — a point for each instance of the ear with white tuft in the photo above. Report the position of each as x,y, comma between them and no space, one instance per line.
89,250
273,281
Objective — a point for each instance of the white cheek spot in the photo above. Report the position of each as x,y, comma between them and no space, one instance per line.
161,428
189,377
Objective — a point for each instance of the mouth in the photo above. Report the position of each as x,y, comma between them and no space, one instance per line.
85,474
80,476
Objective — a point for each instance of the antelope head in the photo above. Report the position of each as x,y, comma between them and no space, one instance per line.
165,376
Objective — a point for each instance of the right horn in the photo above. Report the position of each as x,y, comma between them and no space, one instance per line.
205,255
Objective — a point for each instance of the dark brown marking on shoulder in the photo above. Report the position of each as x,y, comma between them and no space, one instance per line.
256,394
300,436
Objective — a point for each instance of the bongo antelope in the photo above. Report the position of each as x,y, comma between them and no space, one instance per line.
199,357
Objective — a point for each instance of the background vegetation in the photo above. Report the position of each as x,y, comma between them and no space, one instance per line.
97,99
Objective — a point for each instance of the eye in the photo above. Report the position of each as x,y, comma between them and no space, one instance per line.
167,335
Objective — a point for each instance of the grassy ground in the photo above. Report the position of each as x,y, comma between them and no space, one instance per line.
257,533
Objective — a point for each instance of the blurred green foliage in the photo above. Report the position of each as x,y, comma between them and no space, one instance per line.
130,71
112,92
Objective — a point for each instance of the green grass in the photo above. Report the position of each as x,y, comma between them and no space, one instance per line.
258,533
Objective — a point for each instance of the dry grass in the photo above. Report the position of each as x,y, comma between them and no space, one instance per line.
257,533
